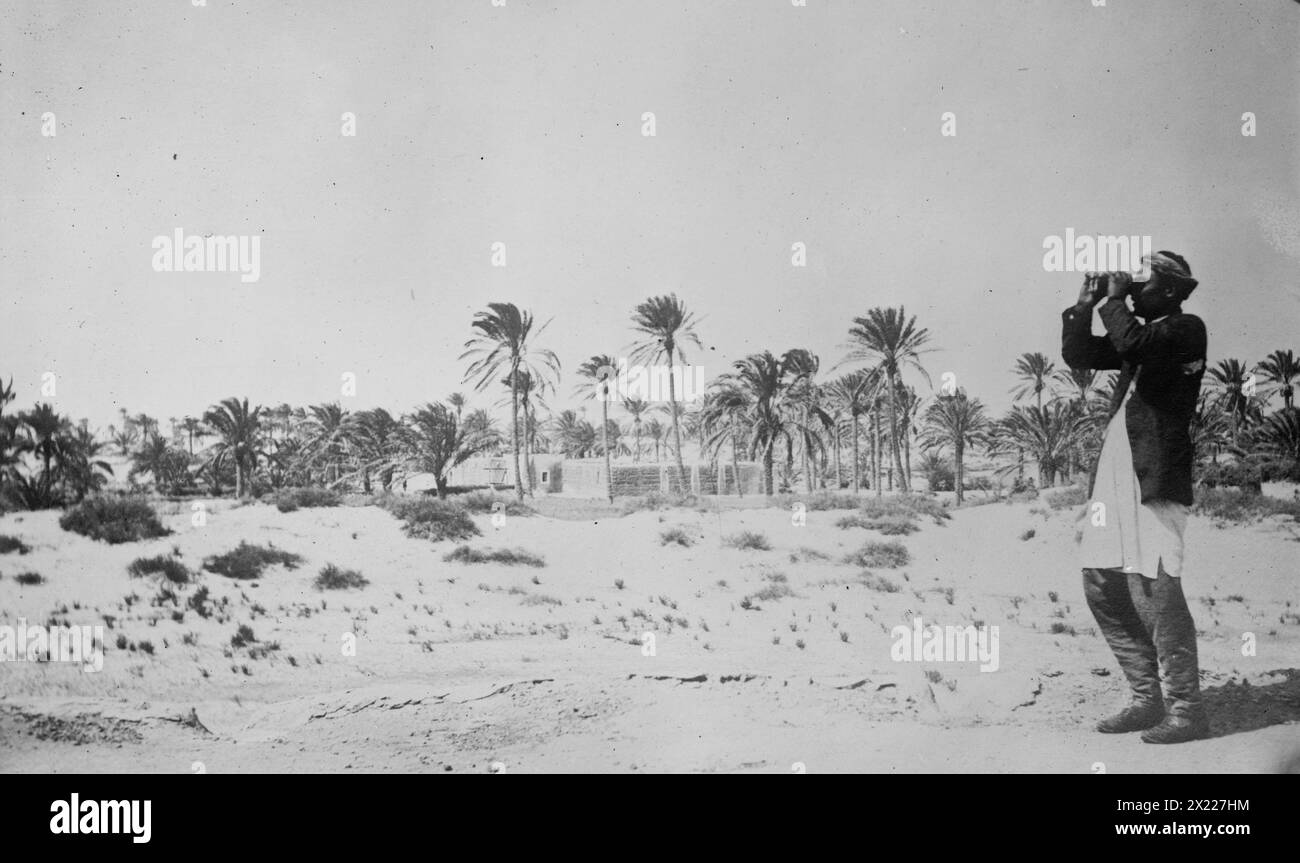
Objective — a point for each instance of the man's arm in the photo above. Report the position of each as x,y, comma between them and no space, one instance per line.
1079,347
1181,338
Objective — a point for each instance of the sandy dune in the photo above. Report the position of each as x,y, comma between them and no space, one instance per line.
460,667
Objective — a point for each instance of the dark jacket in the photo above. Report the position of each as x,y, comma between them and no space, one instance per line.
1170,356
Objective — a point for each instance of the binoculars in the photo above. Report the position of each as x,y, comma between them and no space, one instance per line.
1135,286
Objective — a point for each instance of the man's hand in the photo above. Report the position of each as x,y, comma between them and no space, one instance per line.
1118,286
1090,293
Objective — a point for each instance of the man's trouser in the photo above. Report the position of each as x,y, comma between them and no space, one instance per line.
1150,630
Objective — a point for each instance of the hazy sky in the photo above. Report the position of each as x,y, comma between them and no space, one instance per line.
522,125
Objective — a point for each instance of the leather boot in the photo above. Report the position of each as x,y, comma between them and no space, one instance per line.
1135,717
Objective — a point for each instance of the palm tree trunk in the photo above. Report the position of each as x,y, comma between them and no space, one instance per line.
530,438
767,471
604,434
839,478
677,428
735,459
907,453
804,447
514,430
893,435
856,481
875,449
958,450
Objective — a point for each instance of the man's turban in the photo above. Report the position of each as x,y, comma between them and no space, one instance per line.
1172,267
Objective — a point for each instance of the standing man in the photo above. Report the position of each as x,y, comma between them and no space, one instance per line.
1141,490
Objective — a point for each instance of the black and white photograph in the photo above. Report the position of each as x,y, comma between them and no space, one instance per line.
632,387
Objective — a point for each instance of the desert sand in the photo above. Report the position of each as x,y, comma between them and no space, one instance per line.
484,667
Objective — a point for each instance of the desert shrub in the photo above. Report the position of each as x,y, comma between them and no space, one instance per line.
878,582
113,520
772,592
243,636
333,578
977,483
1025,486
675,535
890,555
807,553
507,556
658,500
1235,474
939,473
286,504
540,599
1066,498
749,540
826,500
248,561
432,519
484,502
1059,628
309,496
10,544
29,578
1238,505
906,506
170,568
198,602
888,525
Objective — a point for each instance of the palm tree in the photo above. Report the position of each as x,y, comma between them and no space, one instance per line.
434,442
667,327
240,430
1209,429
802,366
457,401
126,439
1047,433
502,344
190,424
376,438
596,373
577,436
46,432
327,439
84,471
855,394
160,460
532,391
955,421
724,417
146,423
1277,444
1229,377
1282,368
909,408
1034,370
763,385
9,455
889,339
656,431
637,408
